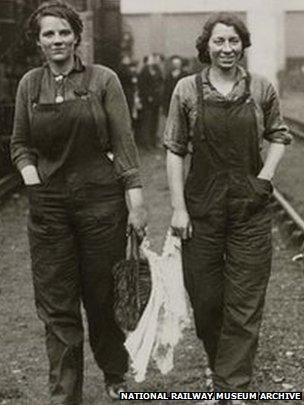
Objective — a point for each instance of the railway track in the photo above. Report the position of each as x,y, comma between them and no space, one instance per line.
288,217
8,184
9,179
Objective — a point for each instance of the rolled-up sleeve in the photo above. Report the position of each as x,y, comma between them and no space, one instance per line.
275,129
21,151
176,136
126,159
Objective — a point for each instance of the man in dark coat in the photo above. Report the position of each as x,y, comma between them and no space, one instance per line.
176,72
150,91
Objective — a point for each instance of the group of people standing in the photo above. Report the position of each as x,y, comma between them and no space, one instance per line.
73,145
148,92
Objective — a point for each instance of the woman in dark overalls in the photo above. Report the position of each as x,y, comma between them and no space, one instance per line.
222,211
73,145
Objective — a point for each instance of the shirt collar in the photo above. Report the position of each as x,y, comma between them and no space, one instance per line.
77,67
241,74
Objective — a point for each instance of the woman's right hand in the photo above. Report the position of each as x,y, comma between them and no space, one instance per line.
30,175
181,224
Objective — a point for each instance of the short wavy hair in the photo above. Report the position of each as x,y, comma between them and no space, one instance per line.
229,19
55,8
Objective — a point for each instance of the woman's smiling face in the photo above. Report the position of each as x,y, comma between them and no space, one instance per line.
57,39
225,46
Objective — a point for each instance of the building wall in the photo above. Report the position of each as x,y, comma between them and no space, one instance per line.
144,34
294,39
162,32
183,6
171,26
86,47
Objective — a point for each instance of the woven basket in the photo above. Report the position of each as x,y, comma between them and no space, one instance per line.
132,285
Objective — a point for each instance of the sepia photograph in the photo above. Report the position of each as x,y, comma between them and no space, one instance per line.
151,202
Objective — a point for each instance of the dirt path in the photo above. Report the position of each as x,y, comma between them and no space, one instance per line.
23,366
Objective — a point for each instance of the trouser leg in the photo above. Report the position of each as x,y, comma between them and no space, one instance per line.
145,128
57,295
102,243
247,272
154,125
203,274
149,126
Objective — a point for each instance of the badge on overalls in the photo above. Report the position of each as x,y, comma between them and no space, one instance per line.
59,90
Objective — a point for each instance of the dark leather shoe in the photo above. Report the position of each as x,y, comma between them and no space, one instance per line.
115,389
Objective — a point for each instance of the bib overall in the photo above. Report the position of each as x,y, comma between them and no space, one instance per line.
77,231
227,261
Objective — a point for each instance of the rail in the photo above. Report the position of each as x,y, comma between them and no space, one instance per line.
291,221
289,217
8,184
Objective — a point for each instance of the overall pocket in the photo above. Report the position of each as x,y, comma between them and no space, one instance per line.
260,190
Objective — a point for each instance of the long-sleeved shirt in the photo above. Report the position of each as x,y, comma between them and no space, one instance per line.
183,110
115,132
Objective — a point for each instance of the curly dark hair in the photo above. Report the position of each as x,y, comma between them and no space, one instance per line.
55,8
230,19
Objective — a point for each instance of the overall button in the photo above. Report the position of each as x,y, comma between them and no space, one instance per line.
59,99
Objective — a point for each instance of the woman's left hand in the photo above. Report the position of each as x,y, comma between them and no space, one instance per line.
265,176
138,220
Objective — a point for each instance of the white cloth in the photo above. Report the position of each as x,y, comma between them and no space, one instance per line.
166,315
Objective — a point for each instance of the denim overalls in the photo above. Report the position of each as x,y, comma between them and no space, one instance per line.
227,262
77,232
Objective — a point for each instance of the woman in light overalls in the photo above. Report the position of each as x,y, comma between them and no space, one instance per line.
222,210
73,144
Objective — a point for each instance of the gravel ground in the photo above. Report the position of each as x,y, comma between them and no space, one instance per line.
23,372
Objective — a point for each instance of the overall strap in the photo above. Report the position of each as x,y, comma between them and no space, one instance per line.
35,84
256,145
248,84
199,88
83,88
200,108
